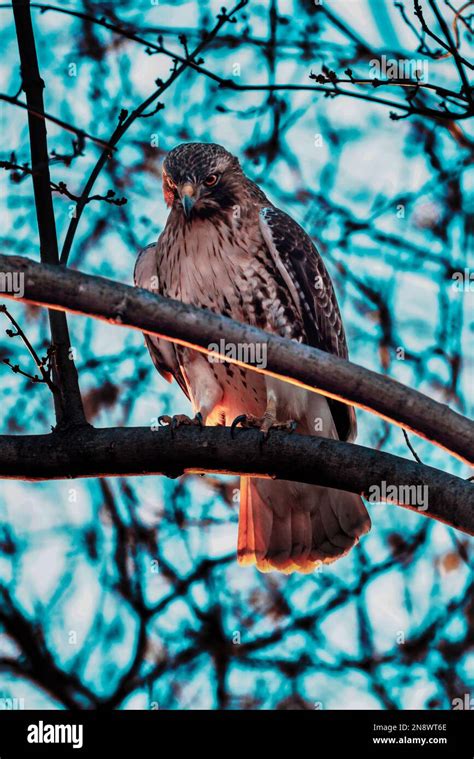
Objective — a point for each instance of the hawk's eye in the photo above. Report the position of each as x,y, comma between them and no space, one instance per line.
211,180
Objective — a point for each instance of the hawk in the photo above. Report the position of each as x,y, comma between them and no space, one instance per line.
227,248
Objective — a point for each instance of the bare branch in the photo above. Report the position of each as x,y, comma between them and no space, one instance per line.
60,187
410,447
42,364
467,89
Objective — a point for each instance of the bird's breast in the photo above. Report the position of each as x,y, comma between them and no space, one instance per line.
228,269
208,265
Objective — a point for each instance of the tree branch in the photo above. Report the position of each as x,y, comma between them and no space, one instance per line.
466,87
68,402
140,451
42,364
301,365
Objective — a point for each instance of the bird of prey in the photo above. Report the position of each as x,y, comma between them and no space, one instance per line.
227,248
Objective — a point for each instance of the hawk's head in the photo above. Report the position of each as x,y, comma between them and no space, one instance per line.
201,179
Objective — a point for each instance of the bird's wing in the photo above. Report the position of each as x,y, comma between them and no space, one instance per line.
310,286
162,352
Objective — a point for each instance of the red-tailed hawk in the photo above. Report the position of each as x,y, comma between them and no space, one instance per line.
226,248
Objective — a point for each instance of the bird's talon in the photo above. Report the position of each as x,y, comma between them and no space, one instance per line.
238,420
265,424
199,420
173,422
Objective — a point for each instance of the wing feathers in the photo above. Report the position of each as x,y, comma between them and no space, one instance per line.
162,352
310,286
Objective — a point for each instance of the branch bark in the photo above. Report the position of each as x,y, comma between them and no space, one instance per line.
301,365
121,451
68,402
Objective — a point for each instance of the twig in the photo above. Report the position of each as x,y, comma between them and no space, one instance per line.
419,14
331,78
41,363
459,17
109,197
407,440
453,49
61,187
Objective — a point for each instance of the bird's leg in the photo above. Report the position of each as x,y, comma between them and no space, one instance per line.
266,422
204,390
269,417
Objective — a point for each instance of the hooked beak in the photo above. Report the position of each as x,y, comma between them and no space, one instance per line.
187,198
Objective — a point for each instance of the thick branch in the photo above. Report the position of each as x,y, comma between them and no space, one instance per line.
331,463
301,365
68,402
